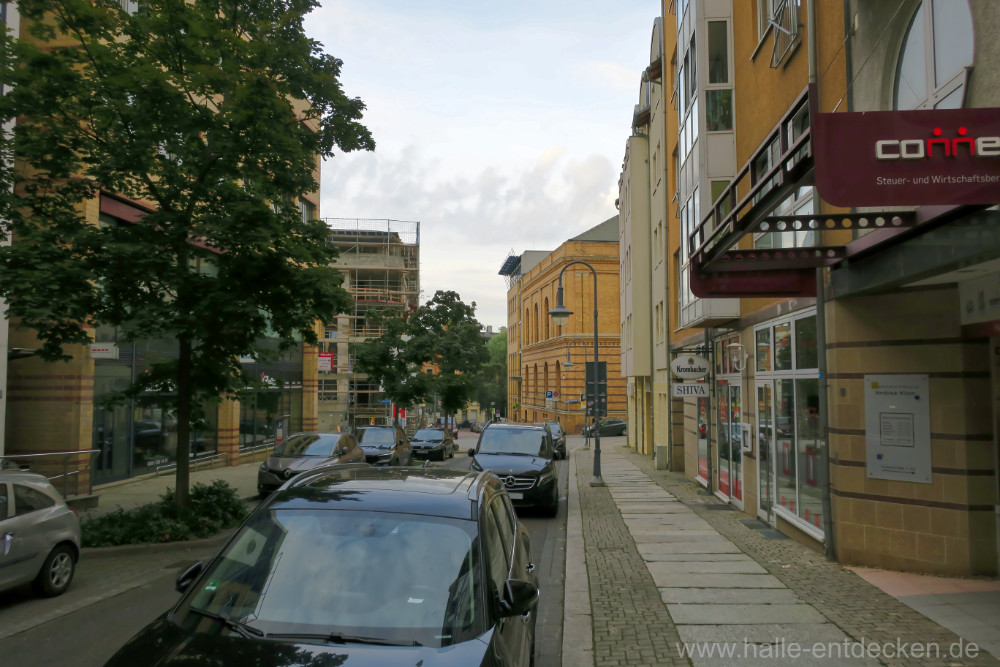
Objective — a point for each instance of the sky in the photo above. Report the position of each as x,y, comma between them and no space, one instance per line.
499,126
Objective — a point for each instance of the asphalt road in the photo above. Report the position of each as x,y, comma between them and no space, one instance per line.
112,598
548,546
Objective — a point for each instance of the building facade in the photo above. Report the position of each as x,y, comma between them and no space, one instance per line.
58,421
380,262
845,318
546,362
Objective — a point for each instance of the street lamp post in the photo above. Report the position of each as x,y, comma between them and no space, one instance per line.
569,364
560,315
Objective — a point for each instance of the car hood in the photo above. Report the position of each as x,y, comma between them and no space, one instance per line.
298,464
510,464
163,644
427,442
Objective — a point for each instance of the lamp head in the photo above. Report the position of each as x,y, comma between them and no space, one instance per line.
560,314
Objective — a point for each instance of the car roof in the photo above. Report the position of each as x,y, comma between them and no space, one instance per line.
22,475
430,491
527,427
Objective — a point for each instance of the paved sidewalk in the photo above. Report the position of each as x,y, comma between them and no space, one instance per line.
132,493
664,567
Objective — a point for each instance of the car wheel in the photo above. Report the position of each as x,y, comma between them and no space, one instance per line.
441,456
552,508
56,573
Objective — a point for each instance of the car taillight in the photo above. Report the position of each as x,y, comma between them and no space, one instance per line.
74,510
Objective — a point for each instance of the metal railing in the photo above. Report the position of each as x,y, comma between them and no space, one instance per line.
69,472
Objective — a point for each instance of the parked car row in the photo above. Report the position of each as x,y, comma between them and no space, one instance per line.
376,445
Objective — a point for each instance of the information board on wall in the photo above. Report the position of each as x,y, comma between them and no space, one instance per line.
897,427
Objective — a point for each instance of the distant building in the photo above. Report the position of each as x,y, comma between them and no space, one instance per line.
541,385
380,261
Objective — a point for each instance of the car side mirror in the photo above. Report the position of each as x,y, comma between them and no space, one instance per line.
519,597
188,575
472,452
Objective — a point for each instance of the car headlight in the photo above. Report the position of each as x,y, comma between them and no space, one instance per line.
263,467
476,466
546,476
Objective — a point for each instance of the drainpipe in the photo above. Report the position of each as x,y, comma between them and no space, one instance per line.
824,424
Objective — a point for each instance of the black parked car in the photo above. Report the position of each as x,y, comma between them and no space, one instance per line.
385,445
433,443
305,451
523,457
609,426
558,438
320,575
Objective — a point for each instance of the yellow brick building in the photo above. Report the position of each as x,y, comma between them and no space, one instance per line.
542,386
851,335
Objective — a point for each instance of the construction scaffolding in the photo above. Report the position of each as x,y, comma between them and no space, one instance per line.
380,262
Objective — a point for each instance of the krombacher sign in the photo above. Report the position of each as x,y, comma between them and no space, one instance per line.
689,367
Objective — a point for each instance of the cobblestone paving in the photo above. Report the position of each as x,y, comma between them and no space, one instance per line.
631,624
862,611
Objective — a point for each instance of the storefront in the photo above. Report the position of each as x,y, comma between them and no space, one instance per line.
137,436
272,411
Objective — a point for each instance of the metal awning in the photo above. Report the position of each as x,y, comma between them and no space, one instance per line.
719,268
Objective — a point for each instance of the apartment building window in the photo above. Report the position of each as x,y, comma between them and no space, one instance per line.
786,361
936,55
307,210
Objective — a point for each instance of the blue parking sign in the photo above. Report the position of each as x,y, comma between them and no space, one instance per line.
548,394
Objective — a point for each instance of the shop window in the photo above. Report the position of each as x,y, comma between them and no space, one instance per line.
783,346
763,350
809,442
789,427
786,492
805,343
937,52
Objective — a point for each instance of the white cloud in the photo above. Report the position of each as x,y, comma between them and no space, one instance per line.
498,127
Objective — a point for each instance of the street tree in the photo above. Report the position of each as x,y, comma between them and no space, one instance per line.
210,118
491,385
437,350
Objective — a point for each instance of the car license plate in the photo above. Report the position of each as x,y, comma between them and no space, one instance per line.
516,495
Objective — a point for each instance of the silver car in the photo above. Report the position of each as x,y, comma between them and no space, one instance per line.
305,451
39,534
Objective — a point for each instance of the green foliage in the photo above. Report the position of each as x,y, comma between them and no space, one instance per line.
212,508
443,332
491,384
210,115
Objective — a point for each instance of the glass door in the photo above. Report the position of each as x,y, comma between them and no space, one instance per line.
112,425
765,449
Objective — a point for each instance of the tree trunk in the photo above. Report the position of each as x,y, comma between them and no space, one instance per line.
183,421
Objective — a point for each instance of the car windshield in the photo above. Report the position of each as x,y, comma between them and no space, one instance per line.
511,441
429,434
377,436
555,429
316,573
307,445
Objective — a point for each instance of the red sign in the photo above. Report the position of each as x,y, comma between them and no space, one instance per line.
908,158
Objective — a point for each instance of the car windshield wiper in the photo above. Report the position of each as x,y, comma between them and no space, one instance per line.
508,453
338,638
238,627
